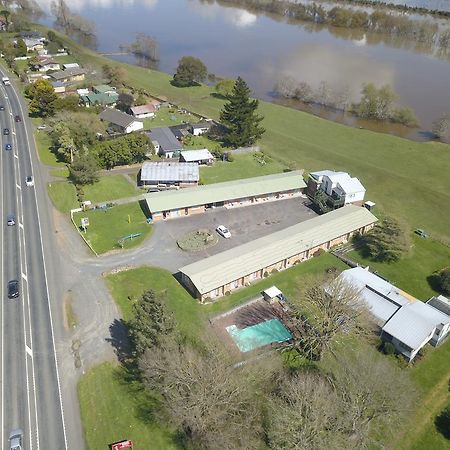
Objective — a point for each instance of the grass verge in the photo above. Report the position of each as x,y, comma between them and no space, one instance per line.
63,196
106,227
110,187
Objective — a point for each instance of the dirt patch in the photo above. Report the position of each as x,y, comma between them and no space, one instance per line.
197,240
70,318
75,347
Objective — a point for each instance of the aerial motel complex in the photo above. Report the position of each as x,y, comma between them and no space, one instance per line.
213,277
196,200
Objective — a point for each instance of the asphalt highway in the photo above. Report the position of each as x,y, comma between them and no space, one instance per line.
30,386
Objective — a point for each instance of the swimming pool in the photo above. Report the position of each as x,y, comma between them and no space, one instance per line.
256,336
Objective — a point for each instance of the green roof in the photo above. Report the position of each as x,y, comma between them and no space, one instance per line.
103,88
229,190
100,99
223,268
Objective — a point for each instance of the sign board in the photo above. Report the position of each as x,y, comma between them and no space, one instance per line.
120,445
85,222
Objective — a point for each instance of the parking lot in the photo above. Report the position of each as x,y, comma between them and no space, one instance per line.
245,224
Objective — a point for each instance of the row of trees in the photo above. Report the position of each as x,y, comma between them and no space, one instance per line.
374,103
214,403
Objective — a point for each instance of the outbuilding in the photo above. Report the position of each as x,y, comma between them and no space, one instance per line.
143,111
202,156
236,193
200,128
224,272
164,174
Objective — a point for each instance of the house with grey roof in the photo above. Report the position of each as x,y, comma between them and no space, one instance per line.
406,322
69,75
213,277
120,122
166,144
163,174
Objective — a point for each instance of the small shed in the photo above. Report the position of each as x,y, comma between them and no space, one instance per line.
271,293
202,156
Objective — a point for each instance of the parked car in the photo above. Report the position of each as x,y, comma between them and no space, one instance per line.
2,108
223,231
15,440
8,147
421,233
17,119
5,131
13,289
29,181
10,220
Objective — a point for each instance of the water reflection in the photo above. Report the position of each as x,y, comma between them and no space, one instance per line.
79,5
237,17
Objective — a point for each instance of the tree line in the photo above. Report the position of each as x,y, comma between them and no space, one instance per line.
274,401
374,103
421,31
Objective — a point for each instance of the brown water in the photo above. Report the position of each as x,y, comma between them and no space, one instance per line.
233,41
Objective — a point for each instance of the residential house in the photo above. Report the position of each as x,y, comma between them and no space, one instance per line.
200,128
46,64
69,75
222,273
102,95
32,35
121,122
180,131
167,145
404,321
60,88
202,156
330,190
104,89
229,194
33,44
143,111
71,66
167,174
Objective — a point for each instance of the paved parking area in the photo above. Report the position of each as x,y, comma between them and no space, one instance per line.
245,224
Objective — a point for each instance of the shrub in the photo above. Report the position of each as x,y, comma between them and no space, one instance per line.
388,348
442,422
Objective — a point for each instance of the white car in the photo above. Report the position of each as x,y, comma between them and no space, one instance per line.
29,181
223,231
15,440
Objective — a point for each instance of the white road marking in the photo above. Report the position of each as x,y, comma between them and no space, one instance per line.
18,186
16,156
24,277
28,350
21,225
14,133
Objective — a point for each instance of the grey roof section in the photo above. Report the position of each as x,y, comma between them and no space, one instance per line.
413,323
223,268
201,125
441,303
196,155
169,171
229,190
67,73
382,298
166,139
117,117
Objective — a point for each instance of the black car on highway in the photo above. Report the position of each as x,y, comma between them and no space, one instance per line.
2,108
5,131
17,119
8,147
13,289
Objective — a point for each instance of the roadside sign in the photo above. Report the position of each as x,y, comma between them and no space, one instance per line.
85,222
120,445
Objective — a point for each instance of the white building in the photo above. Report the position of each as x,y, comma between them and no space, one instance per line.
405,321
337,185
202,156
144,111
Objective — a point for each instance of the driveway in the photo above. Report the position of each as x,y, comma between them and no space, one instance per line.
245,224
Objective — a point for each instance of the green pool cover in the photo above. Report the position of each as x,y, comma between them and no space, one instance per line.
256,336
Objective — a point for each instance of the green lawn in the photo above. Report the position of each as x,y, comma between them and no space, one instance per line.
167,117
110,187
113,408
243,166
62,173
43,143
410,273
106,227
63,196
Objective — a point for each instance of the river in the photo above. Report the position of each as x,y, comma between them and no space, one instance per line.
233,41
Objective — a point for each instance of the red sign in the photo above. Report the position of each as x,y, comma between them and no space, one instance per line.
122,444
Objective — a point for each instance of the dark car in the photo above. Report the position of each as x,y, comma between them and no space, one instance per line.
8,147
2,108
17,119
5,131
13,289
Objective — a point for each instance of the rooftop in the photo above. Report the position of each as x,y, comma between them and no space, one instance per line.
103,89
348,184
117,117
204,124
169,171
73,72
229,190
196,155
166,139
225,267
440,303
143,109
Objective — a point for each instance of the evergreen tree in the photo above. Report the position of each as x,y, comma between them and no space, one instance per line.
151,323
240,118
43,98
84,170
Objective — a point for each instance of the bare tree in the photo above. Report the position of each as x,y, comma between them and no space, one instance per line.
325,310
211,402
305,414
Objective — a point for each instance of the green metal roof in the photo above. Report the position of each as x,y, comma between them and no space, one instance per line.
101,99
229,190
103,88
223,268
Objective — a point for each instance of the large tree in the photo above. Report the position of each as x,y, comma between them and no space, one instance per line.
224,87
84,170
240,118
443,280
190,72
42,98
376,103
388,241
151,323
213,404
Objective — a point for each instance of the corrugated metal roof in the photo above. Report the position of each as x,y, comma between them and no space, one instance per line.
218,270
196,155
229,190
143,109
413,323
169,171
